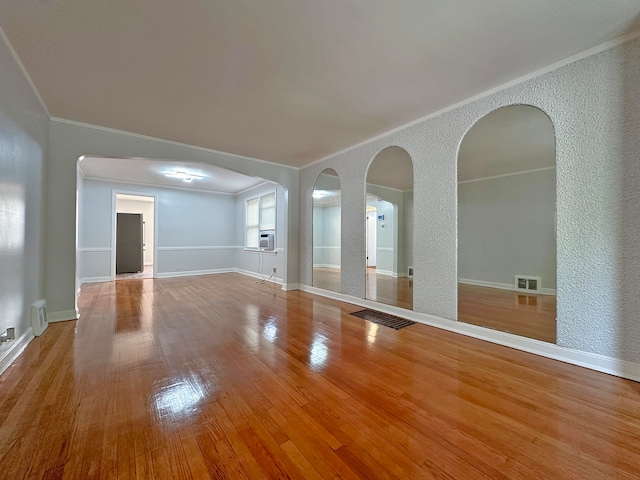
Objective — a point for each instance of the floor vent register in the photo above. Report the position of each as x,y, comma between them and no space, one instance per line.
384,319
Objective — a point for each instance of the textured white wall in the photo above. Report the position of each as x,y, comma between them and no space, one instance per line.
23,144
594,105
506,227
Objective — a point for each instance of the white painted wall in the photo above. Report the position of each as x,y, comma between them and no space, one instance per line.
386,237
23,145
506,226
407,200
195,234
594,104
326,246
69,141
256,263
146,209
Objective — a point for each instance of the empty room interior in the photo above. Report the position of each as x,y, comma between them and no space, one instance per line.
320,240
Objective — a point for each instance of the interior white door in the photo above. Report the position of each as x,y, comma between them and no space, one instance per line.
371,238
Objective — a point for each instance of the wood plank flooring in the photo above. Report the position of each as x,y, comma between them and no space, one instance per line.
222,377
532,316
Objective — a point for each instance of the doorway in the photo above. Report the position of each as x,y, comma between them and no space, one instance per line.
507,223
134,220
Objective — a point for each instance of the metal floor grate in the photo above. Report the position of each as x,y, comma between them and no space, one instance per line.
383,319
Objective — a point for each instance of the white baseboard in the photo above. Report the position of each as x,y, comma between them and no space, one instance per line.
593,361
384,272
62,316
325,265
192,273
95,279
503,286
257,275
14,348
290,286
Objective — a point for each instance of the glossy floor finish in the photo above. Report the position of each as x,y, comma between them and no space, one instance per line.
532,316
223,377
397,291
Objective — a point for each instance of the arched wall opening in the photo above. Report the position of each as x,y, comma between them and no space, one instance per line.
327,235
389,228
507,223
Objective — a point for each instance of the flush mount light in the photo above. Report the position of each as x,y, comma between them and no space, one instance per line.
184,176
319,194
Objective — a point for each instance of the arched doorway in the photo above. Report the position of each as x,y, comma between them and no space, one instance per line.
506,223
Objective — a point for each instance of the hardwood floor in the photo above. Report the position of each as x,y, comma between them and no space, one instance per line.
532,316
380,288
222,377
386,289
327,278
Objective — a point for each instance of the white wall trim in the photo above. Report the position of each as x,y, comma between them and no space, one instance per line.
15,348
149,184
275,251
62,316
534,170
504,286
549,68
202,247
290,286
168,142
105,278
193,273
247,190
94,249
384,272
592,361
275,280
328,248
24,71
326,265
384,249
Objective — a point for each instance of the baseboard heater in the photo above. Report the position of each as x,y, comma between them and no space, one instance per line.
39,321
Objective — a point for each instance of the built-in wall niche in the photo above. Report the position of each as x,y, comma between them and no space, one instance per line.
327,231
389,228
506,223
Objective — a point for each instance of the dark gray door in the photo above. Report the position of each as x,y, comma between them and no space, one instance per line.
129,245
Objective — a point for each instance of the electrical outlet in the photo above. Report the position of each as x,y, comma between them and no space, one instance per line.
274,269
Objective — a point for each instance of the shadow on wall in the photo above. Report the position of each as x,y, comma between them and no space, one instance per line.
628,260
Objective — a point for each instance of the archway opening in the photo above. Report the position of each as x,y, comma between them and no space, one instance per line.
327,231
507,223
389,228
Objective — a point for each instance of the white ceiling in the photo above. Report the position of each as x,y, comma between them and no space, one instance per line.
152,172
289,81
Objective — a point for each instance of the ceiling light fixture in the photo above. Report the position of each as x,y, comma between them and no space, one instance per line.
184,176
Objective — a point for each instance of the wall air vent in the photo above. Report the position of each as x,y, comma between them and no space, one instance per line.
525,283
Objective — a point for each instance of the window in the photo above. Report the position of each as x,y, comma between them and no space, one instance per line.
260,215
